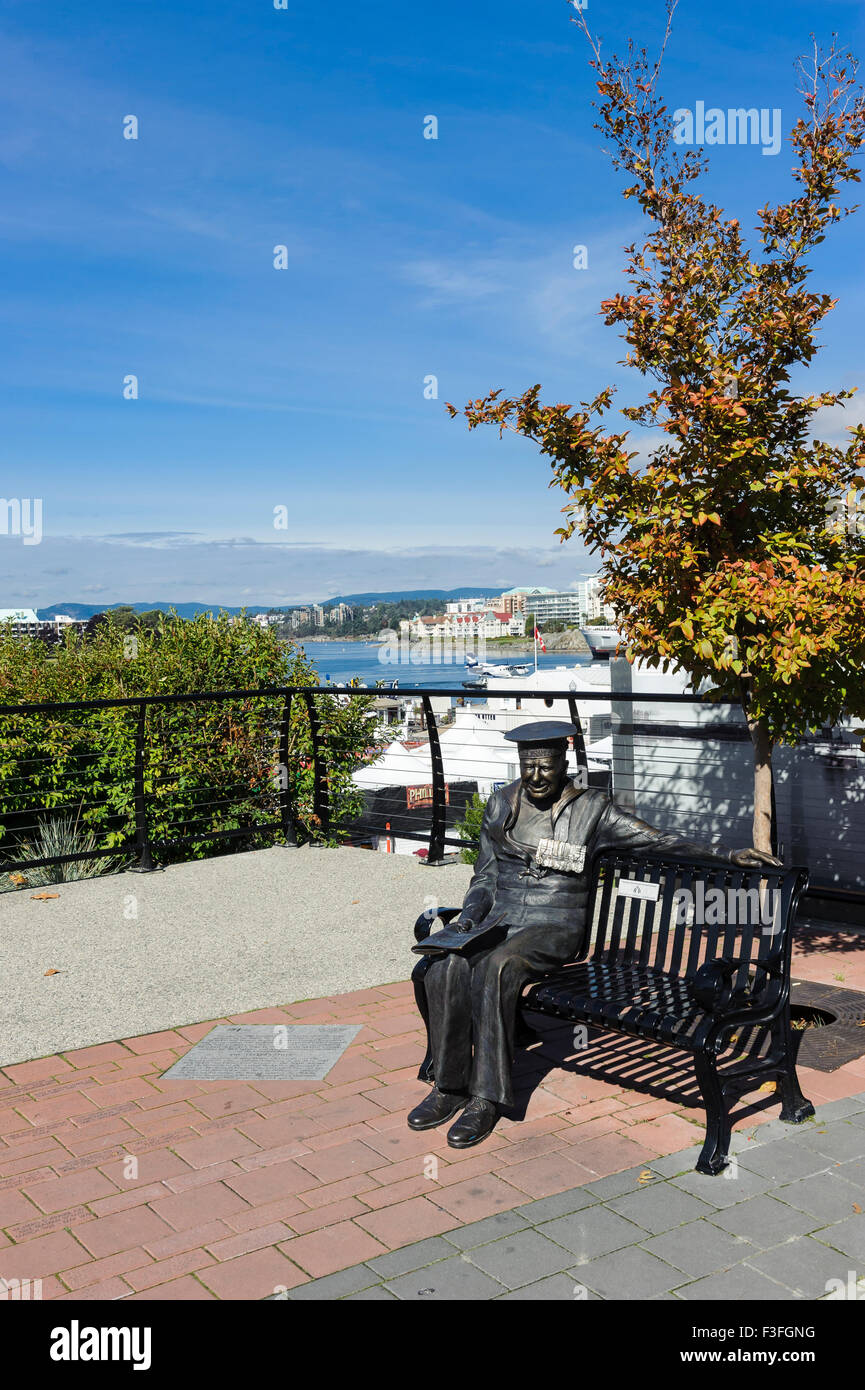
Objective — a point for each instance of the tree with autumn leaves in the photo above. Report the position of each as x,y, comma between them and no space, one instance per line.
735,548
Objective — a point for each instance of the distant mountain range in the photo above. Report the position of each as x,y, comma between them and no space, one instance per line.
444,595
189,610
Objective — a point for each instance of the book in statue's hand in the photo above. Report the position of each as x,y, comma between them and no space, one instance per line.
450,938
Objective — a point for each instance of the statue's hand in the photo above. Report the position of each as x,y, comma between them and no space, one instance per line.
753,858
465,924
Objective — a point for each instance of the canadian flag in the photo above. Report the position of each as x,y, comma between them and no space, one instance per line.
539,639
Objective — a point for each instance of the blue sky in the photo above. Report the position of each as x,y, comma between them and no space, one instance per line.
407,257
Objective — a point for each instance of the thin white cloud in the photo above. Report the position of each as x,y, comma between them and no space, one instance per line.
236,570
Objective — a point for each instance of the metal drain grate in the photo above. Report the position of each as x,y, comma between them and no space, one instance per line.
839,1041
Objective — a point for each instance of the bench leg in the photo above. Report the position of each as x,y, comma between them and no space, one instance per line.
713,1158
794,1106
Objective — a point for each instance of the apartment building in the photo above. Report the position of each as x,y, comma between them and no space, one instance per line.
467,605
469,627
572,606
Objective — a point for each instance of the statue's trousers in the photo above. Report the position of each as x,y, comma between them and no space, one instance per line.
470,1003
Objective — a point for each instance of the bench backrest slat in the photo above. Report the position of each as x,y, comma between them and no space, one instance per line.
601,900
701,911
746,939
686,885
659,941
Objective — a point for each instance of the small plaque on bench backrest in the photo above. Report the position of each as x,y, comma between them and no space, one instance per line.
635,888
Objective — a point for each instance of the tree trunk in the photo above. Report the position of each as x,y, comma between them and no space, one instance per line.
762,744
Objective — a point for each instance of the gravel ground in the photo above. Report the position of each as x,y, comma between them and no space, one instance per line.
136,953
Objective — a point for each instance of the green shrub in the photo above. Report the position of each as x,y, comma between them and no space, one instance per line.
470,827
207,767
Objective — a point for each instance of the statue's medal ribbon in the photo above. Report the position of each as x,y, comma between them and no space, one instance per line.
560,855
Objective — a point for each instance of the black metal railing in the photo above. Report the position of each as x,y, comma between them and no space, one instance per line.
144,791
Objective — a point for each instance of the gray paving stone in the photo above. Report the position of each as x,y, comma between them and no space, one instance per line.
746,1138
736,1286
630,1274
765,1222
503,1223
456,1278
838,1109
559,1288
827,1196
839,1140
769,1131
377,1294
723,1191
595,1231
617,1184
803,1265
410,1257
847,1236
699,1248
560,1204
520,1259
339,1285
784,1160
671,1165
660,1208
853,1171
857,1119
739,1139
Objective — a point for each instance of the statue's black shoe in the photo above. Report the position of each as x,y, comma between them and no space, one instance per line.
476,1122
438,1107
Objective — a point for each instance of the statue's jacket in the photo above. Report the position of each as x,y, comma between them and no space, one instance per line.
507,883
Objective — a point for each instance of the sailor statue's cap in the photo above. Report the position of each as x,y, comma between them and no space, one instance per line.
544,733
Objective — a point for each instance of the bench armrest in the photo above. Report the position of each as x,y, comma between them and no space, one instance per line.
424,924
712,989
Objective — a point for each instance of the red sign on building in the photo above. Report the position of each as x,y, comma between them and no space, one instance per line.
416,797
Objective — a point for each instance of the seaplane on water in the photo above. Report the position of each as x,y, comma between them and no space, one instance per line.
502,671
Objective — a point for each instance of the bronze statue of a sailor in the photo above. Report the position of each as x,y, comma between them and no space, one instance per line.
531,881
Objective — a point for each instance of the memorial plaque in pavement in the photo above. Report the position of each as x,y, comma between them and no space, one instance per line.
265,1052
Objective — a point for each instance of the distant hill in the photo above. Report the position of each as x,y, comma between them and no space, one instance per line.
185,610
189,610
445,595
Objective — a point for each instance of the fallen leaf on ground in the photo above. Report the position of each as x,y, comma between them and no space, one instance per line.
857,1208
52,972
40,897
646,1176
19,879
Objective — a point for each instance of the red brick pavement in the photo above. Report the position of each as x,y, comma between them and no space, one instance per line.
115,1183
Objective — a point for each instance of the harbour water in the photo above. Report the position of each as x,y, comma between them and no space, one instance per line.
339,662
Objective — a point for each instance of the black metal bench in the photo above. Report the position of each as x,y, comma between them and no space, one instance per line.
718,988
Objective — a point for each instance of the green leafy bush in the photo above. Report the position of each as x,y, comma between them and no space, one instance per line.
209,766
470,827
